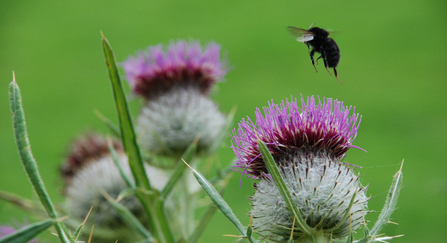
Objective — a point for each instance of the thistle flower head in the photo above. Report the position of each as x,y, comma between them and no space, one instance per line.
318,128
184,64
307,145
90,171
175,85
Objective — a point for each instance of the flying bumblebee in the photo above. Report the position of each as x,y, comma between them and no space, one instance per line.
321,43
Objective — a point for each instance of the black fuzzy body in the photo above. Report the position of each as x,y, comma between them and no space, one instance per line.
319,40
325,46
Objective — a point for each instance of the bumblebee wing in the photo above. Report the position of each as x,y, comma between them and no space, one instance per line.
333,32
305,38
301,35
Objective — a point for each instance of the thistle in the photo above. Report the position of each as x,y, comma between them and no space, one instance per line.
175,86
304,190
90,174
307,144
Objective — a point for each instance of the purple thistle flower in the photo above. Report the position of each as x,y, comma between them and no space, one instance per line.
324,128
183,63
307,145
175,85
90,170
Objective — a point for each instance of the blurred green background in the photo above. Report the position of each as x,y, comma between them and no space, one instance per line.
393,68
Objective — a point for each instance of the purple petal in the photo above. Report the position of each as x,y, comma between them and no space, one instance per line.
156,71
315,127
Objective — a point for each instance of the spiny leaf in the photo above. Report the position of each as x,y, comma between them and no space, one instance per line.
115,158
79,230
388,209
207,216
27,233
125,122
282,187
220,203
129,218
27,158
157,219
390,203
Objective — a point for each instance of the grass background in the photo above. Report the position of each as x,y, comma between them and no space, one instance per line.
393,64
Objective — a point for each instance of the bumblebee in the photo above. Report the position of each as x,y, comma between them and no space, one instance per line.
318,39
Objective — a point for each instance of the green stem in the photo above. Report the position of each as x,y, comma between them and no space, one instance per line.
319,237
28,161
163,227
189,201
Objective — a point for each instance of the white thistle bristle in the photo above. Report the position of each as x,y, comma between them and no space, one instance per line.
172,121
322,190
88,184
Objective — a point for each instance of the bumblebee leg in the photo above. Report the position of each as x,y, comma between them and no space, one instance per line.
312,53
336,76
317,59
308,47
325,64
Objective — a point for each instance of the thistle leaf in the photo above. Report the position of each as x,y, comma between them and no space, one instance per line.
387,211
129,218
126,178
125,122
208,215
390,203
220,203
282,187
158,220
79,230
27,233
27,158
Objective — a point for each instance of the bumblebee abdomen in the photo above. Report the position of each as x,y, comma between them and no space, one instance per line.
332,53
332,60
